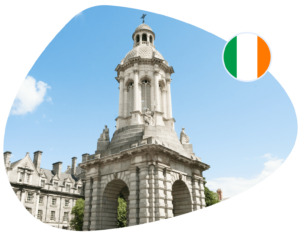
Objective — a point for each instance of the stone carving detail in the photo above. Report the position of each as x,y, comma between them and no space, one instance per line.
105,135
184,139
148,117
220,196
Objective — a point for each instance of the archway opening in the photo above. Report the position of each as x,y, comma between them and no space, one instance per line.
150,39
137,38
115,199
181,198
144,37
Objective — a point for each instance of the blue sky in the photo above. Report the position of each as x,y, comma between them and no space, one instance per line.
240,129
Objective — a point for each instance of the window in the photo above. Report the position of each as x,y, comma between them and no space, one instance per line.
27,178
66,215
66,202
68,188
146,95
55,185
130,98
29,196
41,200
21,176
53,201
52,216
39,215
79,189
150,39
144,37
137,38
43,183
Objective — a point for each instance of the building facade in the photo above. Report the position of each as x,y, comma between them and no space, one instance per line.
157,173
49,195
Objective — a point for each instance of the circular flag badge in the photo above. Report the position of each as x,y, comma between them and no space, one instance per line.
246,57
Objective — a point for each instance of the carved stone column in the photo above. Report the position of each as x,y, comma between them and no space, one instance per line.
125,102
151,191
121,105
156,88
160,204
169,103
164,100
134,199
136,88
144,194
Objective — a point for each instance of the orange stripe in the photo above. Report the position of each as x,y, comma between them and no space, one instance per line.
263,57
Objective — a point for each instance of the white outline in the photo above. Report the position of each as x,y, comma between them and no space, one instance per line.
257,34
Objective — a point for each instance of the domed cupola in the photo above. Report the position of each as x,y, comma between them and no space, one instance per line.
143,45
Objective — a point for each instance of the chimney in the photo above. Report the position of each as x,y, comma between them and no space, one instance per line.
84,157
7,155
37,159
57,168
73,169
220,196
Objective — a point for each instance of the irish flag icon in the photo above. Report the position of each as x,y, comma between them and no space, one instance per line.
247,57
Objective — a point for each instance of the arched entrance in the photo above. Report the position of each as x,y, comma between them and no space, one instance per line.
181,198
110,203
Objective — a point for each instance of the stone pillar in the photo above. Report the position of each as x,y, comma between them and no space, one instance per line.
202,195
152,91
144,195
164,100
196,193
121,111
169,103
37,203
160,212
156,90
168,193
134,198
136,89
95,223
125,104
87,204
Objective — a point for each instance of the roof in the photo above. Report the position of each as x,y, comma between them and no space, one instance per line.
143,51
143,26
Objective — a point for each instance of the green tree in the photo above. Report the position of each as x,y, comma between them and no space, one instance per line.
77,211
211,197
121,211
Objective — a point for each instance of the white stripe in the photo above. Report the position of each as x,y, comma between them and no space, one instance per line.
247,57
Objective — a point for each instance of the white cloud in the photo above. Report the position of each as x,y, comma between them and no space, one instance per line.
78,13
31,94
231,186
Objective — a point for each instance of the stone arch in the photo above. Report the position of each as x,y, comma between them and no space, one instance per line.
182,200
128,81
109,208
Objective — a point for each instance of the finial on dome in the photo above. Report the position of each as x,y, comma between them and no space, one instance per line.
143,17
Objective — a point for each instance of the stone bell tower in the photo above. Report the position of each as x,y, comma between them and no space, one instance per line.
158,174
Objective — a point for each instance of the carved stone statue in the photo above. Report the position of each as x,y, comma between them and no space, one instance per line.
220,196
184,139
105,135
148,117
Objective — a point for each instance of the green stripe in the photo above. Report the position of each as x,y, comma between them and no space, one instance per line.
230,57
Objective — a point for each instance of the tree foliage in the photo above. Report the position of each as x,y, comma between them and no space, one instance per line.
121,211
211,197
77,211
